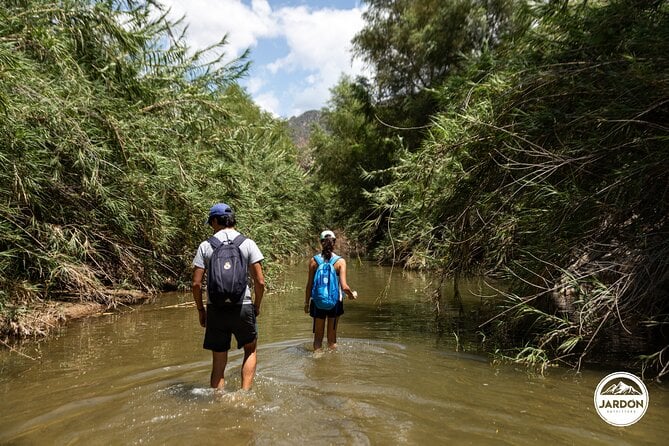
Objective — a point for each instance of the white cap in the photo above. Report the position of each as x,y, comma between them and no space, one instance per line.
327,233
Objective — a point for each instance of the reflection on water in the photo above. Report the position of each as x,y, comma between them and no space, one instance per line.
141,378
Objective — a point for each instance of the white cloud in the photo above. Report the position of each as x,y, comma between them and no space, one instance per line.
320,45
268,102
254,85
318,41
209,20
313,97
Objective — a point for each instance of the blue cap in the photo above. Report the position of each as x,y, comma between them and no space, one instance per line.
219,210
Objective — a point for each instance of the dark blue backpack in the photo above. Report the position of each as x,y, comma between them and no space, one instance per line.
325,290
227,276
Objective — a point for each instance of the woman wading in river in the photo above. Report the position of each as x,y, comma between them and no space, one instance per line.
317,283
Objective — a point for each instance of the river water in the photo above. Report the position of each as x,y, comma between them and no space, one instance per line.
140,376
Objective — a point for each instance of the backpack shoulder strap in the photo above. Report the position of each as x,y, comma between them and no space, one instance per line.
238,240
214,242
319,259
334,259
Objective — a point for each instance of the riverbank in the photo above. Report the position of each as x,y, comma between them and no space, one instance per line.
39,319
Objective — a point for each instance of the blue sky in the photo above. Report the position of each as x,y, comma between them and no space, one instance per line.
299,48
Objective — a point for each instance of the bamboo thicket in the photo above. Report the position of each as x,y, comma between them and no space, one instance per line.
115,139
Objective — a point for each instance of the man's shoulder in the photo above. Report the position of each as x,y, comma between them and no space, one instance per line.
243,238
204,244
250,243
251,248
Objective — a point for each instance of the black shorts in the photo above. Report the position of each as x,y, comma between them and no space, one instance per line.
223,322
337,311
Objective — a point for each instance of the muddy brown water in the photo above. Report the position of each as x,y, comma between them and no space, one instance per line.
140,376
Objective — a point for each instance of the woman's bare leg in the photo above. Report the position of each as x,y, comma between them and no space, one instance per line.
319,328
332,332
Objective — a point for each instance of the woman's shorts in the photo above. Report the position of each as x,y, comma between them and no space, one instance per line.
225,321
337,311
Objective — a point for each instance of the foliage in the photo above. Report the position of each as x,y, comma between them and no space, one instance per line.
115,140
412,47
350,146
548,167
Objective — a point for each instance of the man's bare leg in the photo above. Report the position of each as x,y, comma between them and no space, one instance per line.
249,365
220,360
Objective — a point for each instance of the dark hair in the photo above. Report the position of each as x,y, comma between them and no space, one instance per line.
328,245
227,221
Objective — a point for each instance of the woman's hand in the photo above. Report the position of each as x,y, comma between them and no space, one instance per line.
306,308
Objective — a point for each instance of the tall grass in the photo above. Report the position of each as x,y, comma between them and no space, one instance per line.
548,168
115,139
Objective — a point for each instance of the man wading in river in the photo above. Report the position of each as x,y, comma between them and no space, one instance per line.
227,258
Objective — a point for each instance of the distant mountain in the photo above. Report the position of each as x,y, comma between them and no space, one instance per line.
300,126
621,389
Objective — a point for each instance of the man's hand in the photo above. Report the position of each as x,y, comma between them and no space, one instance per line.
198,276
202,315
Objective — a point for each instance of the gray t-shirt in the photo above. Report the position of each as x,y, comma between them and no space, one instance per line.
248,248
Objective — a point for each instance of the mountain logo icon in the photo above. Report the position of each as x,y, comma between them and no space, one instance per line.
621,388
621,399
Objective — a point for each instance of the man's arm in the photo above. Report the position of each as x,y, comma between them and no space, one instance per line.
198,275
258,285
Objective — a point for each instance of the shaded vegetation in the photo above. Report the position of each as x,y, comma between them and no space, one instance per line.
115,140
413,47
545,165
343,153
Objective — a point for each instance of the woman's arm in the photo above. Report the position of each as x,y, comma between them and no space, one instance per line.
340,267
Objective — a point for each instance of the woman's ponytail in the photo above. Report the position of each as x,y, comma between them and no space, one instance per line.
328,246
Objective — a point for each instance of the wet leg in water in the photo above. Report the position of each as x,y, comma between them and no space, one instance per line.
332,332
319,328
220,359
249,365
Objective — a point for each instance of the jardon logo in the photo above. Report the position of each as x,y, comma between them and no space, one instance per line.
621,399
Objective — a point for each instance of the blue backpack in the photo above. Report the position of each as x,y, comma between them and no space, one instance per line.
325,290
227,275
